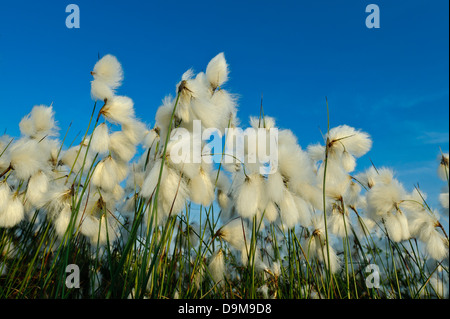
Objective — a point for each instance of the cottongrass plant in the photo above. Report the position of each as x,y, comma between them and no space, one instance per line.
141,223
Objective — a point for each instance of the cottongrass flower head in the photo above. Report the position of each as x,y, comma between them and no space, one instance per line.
39,123
235,233
443,167
108,75
108,70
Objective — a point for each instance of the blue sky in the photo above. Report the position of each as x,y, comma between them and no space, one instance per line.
391,82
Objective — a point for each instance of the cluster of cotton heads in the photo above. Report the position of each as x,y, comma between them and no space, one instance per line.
40,177
312,192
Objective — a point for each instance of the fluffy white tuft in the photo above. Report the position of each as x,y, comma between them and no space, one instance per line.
151,180
13,213
120,146
217,71
437,246
101,91
235,233
444,201
217,267
248,194
202,188
62,221
119,109
109,71
347,138
383,198
39,123
37,189
100,139
26,158
288,210
443,172
275,187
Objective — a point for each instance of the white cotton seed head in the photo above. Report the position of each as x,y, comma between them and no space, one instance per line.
335,261
403,220
443,171
337,180
105,232
109,71
4,148
394,227
288,210
101,91
39,123
217,71
37,189
348,162
210,115
271,212
235,233
444,201
365,226
217,266
339,224
90,227
225,104
421,224
201,189
382,198
383,175
121,147
62,220
316,152
99,177
75,156
367,177
26,158
248,195
13,214
437,246
173,192
223,199
353,195
100,139
135,131
293,163
223,182
150,139
5,193
347,138
184,152
303,210
267,122
119,109
164,115
43,119
194,88
189,74
151,180
26,126
316,247
135,181
107,174
275,187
